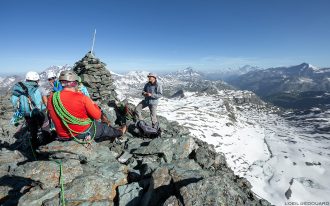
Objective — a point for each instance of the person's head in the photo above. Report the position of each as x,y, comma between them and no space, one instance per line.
32,76
51,76
68,79
152,77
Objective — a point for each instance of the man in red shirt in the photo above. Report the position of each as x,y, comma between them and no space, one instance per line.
76,115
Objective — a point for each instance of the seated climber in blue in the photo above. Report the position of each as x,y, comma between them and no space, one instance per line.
54,82
152,91
54,86
27,101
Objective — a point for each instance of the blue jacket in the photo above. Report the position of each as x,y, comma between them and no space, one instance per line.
156,91
19,99
83,89
57,86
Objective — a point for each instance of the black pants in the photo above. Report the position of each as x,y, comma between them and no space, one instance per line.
38,126
103,132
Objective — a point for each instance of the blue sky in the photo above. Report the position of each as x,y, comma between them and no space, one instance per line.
164,35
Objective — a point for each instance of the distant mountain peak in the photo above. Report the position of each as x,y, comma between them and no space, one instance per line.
189,71
298,78
313,67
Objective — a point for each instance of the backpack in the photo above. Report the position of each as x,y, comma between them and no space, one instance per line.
147,130
26,97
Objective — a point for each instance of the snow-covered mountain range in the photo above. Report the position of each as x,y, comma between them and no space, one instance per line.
6,83
284,159
301,86
299,78
229,74
187,80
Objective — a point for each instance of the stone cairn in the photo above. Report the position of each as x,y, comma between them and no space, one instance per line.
95,77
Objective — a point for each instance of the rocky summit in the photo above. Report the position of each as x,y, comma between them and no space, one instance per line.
173,169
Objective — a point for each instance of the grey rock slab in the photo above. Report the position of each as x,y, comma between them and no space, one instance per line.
72,149
135,143
172,201
130,194
171,148
91,188
124,157
36,197
204,192
114,171
8,156
4,192
160,187
48,172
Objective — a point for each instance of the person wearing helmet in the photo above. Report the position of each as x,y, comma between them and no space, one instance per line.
152,91
27,100
54,85
75,115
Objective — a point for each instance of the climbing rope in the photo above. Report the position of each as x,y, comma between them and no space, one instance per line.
61,174
67,119
61,181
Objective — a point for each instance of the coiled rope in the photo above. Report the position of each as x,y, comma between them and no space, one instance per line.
67,119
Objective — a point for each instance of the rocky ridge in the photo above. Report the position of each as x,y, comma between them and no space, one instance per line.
174,169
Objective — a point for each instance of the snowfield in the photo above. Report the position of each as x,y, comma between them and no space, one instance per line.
284,162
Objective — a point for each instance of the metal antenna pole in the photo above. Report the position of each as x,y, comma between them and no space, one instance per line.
93,41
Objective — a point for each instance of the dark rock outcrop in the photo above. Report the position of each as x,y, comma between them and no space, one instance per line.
7,131
178,94
172,170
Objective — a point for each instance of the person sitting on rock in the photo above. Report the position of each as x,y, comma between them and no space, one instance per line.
76,116
152,91
82,88
27,100
54,85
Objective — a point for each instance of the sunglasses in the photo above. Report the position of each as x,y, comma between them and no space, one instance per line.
51,78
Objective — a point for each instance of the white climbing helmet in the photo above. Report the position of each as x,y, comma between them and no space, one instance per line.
51,74
32,76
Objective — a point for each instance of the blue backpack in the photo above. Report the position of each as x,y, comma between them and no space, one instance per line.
26,97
